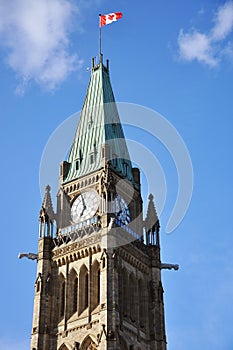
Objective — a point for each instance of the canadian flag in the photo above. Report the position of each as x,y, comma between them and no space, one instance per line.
109,18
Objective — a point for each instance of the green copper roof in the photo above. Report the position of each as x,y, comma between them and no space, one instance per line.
99,125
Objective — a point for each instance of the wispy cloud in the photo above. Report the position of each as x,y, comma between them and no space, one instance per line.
35,35
196,45
223,22
209,47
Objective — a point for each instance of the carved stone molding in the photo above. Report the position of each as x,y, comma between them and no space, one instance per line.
64,255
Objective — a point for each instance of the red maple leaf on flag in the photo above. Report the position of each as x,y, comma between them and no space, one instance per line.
109,18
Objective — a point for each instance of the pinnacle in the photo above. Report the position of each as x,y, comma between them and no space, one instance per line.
47,202
151,221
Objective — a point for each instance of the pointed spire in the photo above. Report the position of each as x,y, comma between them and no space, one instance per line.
152,225
99,125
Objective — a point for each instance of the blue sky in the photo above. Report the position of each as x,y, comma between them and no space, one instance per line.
175,57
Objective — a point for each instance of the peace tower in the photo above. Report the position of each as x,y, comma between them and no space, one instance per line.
98,283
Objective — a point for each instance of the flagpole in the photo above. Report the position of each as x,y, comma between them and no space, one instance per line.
103,20
100,38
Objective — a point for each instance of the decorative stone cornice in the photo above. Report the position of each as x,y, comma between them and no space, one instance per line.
142,262
76,250
75,329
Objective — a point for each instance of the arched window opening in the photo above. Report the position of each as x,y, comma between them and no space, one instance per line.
63,347
83,289
72,294
62,304
124,294
95,283
132,297
88,343
141,304
98,289
75,295
86,292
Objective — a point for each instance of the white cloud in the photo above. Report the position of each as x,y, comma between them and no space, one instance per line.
209,47
223,22
35,34
196,45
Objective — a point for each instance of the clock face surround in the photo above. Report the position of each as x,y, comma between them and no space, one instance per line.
85,206
121,210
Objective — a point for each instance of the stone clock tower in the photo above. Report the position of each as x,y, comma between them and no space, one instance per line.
98,283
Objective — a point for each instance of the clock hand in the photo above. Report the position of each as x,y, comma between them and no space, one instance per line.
83,201
84,205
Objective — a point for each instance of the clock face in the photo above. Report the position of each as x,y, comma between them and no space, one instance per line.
85,206
122,210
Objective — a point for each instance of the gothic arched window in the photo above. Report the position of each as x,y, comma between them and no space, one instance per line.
132,297
62,297
88,344
95,284
98,287
63,347
75,295
72,293
86,291
124,293
83,289
141,303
